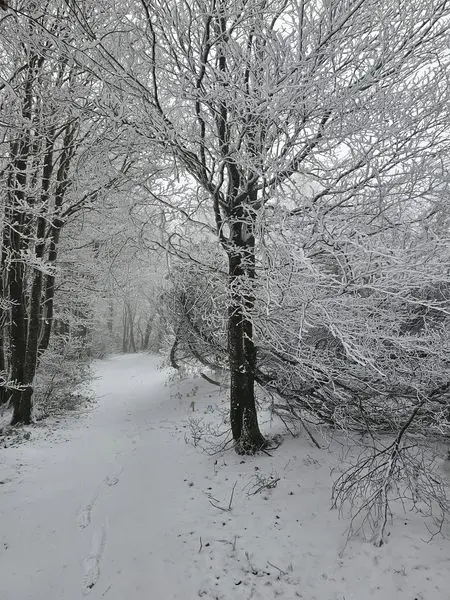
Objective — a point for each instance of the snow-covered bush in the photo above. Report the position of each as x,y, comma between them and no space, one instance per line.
62,374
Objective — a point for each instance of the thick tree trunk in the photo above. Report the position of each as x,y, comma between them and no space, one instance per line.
23,405
3,322
241,351
128,339
125,330
62,185
240,247
19,241
21,402
34,326
19,318
3,364
173,351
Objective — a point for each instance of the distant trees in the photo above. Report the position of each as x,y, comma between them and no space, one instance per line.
127,268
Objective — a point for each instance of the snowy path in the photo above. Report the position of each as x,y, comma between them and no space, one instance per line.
99,513
115,505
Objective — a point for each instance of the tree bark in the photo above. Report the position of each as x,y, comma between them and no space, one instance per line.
3,320
21,403
49,301
16,276
241,350
35,301
19,241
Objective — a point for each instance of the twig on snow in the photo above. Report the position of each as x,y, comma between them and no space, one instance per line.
277,568
228,508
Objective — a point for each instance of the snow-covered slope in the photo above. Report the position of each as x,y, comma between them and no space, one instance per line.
116,505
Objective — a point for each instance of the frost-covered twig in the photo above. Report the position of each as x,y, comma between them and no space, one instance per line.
401,472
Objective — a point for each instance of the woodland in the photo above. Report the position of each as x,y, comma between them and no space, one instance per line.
257,190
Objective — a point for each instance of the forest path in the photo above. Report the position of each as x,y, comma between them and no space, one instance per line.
103,513
113,504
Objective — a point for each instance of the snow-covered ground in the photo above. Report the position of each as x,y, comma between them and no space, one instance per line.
114,504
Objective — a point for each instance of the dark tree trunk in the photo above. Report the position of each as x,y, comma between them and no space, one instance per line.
34,322
21,403
62,185
110,321
35,301
19,241
48,304
3,363
3,321
173,353
240,248
241,350
16,279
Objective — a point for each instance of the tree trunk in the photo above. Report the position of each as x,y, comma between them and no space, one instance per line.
124,330
35,301
131,317
3,365
16,285
110,319
19,240
241,351
49,301
3,321
21,403
62,185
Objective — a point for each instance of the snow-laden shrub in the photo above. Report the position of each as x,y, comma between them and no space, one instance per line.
62,374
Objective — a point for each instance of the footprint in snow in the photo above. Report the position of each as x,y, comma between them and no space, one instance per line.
114,479
91,565
84,516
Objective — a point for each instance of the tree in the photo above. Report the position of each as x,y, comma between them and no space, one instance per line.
246,95
50,139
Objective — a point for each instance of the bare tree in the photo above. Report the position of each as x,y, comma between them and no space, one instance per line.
246,95
47,145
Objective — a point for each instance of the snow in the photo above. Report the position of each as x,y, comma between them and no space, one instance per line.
114,504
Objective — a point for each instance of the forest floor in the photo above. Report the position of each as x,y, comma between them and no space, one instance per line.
113,503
